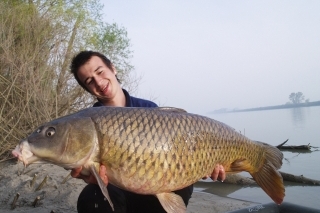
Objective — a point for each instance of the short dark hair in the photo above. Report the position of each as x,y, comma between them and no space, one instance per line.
83,57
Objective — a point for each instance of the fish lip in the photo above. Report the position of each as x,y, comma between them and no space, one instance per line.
23,153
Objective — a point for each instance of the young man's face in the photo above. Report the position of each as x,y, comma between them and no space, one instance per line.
100,80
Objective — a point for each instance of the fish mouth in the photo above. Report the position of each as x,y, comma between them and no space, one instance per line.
24,154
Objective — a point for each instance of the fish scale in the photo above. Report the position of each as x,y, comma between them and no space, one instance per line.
165,140
152,150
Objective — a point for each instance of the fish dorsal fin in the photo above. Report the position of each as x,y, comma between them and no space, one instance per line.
171,202
172,109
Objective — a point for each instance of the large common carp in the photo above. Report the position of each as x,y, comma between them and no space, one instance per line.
151,150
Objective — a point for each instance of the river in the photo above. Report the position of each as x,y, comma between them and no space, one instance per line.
302,127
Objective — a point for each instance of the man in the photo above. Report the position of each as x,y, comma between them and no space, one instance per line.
96,74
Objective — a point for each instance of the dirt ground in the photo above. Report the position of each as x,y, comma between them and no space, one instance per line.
62,197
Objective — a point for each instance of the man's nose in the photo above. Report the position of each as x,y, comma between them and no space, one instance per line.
99,82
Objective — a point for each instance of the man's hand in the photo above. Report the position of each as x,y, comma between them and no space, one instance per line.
76,173
218,172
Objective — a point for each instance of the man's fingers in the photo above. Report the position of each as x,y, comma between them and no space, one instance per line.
218,172
215,173
222,173
103,175
75,173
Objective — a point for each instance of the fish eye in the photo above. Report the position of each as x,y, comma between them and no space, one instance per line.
50,131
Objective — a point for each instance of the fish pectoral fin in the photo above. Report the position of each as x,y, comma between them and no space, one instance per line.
171,202
101,184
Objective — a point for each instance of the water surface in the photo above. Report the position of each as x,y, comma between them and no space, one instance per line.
302,127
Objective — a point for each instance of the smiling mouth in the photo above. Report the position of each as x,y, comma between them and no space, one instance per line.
104,89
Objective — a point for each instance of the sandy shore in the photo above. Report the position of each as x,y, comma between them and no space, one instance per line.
62,197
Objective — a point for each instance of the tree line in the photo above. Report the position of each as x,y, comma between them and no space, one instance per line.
297,98
38,39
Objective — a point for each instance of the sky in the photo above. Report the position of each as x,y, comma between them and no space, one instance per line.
206,55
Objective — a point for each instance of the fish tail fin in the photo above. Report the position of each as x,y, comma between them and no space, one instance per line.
267,176
265,172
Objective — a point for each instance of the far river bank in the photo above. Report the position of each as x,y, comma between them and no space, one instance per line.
284,106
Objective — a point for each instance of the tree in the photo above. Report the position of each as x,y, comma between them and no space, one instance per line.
296,98
112,40
38,39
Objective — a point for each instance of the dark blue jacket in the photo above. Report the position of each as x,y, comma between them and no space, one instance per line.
132,101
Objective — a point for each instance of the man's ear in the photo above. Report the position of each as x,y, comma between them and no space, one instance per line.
114,69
